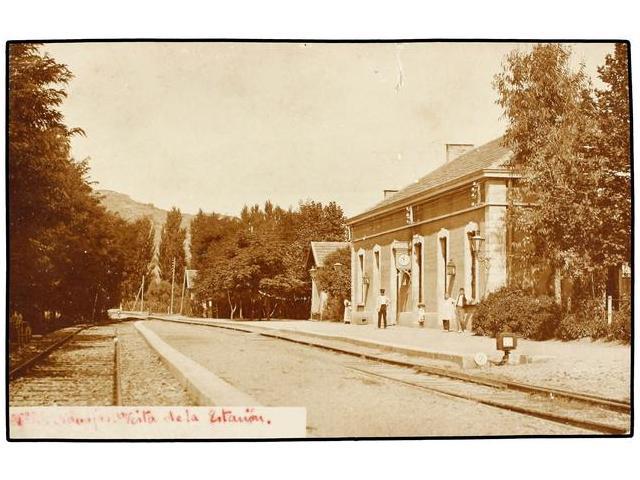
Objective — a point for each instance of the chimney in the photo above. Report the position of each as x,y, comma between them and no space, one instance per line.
454,150
388,193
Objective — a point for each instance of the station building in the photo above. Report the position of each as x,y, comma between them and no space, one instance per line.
444,232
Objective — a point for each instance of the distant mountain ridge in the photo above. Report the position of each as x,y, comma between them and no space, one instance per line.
131,209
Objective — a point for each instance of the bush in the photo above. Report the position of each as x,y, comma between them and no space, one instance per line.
587,320
577,325
620,328
334,310
534,317
540,318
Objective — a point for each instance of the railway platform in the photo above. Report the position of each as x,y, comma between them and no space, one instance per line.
597,367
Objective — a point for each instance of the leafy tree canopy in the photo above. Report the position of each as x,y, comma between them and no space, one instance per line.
68,257
255,266
570,210
172,247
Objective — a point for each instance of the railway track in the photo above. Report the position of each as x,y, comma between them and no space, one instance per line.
558,410
586,411
83,368
22,368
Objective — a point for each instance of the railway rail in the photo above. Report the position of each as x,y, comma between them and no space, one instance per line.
22,368
589,412
82,368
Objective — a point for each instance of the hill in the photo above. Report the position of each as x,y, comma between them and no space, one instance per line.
130,209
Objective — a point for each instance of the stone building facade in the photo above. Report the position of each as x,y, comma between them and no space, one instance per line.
417,243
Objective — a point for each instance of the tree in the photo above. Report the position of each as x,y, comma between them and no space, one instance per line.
254,266
88,263
557,210
614,147
65,256
137,244
172,243
208,232
317,222
336,281
37,164
158,296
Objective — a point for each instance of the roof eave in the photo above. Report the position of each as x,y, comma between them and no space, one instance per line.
491,172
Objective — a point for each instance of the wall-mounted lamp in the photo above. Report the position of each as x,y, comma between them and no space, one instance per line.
476,243
451,268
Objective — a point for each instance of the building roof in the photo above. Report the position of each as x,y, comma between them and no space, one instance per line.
490,155
190,276
321,250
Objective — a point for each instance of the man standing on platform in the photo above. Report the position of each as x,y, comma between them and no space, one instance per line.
461,314
381,307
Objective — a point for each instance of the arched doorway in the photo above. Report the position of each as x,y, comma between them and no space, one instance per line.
401,279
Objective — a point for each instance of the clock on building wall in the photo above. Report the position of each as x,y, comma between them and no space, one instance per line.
403,260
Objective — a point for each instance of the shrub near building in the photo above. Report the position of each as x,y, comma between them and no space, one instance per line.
620,328
538,317
515,310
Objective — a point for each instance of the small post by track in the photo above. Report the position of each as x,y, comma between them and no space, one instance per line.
117,387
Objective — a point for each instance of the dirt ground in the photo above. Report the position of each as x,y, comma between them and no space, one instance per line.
340,402
597,367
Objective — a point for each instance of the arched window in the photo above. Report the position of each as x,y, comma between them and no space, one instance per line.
471,285
442,260
361,278
377,268
418,269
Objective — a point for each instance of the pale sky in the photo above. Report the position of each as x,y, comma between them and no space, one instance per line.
219,125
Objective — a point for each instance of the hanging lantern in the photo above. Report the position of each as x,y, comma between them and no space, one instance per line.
451,268
476,243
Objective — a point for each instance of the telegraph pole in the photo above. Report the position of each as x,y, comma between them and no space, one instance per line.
173,280
142,302
184,283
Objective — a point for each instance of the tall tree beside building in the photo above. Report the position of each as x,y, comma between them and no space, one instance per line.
559,207
614,147
172,246
314,222
318,222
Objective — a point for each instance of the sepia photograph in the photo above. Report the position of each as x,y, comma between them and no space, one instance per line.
318,239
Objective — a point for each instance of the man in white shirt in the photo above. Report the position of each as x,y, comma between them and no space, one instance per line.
461,314
381,307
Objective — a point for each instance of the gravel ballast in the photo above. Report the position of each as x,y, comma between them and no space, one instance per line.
145,380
